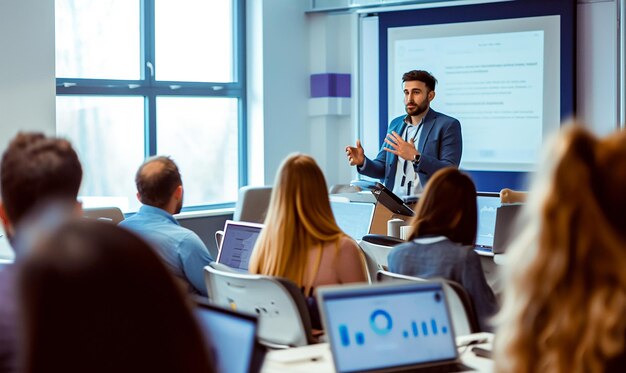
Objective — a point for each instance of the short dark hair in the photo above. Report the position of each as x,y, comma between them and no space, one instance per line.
447,208
36,168
155,187
422,76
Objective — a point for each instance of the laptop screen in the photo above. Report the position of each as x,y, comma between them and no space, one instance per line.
353,218
237,244
384,327
487,203
231,337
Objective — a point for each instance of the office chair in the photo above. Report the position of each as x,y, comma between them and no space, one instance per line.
252,203
284,319
219,237
251,206
110,214
376,247
461,307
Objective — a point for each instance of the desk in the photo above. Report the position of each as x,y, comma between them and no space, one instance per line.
317,358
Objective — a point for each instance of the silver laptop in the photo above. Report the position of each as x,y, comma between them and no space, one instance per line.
354,218
487,205
389,327
237,244
231,338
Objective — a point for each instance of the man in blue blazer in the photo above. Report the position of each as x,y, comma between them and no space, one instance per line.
404,164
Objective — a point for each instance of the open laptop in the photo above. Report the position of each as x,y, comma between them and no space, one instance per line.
237,244
487,205
389,328
354,218
391,201
231,338
505,226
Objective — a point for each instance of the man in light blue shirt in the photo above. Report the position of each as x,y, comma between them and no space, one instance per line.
160,190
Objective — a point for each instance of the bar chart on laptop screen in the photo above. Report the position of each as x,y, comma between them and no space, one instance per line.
389,329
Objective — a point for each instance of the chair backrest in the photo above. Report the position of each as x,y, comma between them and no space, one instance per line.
376,247
460,305
284,319
219,237
252,203
110,214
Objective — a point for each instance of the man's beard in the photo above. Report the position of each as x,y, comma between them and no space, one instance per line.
419,109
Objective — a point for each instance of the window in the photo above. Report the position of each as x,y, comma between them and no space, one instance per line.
137,78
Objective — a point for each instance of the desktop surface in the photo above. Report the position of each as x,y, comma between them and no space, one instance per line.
318,357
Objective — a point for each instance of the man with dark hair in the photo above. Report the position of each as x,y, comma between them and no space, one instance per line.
417,144
36,170
160,190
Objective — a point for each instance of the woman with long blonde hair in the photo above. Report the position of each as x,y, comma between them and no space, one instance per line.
301,240
565,301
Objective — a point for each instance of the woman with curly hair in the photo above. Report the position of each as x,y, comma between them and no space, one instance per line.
565,301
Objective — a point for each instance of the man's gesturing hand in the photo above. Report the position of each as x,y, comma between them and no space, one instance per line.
356,155
403,149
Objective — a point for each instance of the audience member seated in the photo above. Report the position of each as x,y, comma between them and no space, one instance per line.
160,190
96,298
442,239
565,301
34,169
301,240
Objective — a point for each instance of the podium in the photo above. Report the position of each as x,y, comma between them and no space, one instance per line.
389,206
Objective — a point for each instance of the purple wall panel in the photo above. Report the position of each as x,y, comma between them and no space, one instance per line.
330,85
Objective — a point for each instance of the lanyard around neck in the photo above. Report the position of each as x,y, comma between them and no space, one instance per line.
406,133
404,165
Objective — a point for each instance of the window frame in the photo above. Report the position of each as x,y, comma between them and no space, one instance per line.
148,87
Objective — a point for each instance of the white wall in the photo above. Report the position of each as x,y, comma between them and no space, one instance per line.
331,49
27,83
278,84
285,46
597,99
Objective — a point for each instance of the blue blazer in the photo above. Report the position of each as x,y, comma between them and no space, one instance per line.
440,145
